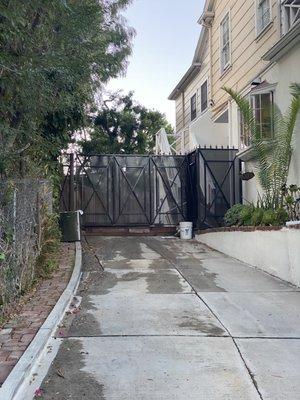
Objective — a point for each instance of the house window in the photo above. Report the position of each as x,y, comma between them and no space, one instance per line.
290,14
262,106
204,96
263,14
193,107
225,43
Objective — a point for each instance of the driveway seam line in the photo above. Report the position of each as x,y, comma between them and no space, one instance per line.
145,336
193,289
251,375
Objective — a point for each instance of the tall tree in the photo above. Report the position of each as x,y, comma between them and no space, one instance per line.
124,126
54,56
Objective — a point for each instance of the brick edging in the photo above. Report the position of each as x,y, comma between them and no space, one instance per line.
20,374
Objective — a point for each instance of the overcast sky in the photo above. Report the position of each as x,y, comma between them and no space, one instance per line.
166,38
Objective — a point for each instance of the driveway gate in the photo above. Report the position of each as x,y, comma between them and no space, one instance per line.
149,191
126,190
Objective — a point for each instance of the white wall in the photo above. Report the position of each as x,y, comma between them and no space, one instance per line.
205,132
234,134
294,175
285,72
276,252
251,189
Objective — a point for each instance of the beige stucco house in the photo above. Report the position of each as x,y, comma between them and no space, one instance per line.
253,47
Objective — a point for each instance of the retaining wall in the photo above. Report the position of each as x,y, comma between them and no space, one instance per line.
274,250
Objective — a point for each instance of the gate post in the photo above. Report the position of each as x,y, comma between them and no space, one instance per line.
72,184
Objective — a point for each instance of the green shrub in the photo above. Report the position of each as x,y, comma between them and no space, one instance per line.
47,261
257,216
246,215
233,215
249,215
282,216
269,218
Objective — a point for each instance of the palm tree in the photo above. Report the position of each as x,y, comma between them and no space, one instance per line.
273,156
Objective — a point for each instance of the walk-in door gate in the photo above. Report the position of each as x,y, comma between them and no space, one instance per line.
149,191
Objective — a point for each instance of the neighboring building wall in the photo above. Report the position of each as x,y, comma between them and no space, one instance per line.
247,48
247,63
179,113
282,74
200,131
194,87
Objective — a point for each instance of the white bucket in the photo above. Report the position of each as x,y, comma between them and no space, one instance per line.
186,230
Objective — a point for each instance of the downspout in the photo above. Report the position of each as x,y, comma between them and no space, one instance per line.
210,60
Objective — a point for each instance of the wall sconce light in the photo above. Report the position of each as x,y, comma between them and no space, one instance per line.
247,176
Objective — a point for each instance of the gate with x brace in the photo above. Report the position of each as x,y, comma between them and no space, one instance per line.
151,190
127,190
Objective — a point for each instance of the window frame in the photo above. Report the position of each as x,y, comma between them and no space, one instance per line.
285,21
244,135
203,110
259,31
193,107
224,68
271,95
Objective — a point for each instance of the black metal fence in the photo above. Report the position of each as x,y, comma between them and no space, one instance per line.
148,190
214,185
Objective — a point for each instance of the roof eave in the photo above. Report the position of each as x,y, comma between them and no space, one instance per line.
208,12
185,80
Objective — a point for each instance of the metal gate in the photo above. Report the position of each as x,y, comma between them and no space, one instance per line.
126,190
149,191
215,185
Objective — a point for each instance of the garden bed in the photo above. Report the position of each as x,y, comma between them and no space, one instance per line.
275,250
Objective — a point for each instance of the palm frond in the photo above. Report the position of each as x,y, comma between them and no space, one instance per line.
295,89
260,147
273,156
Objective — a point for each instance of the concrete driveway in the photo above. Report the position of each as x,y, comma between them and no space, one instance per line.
174,320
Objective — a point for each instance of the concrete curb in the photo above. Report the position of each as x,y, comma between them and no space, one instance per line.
34,351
